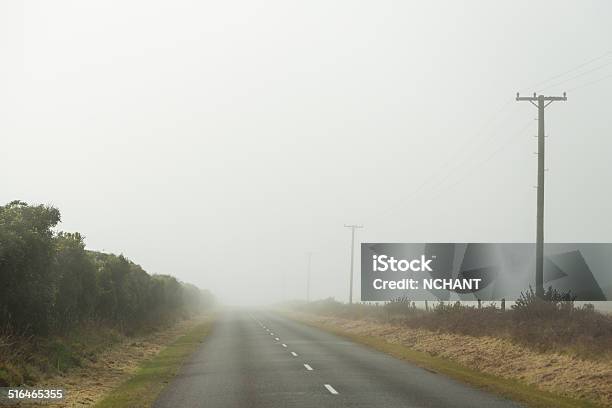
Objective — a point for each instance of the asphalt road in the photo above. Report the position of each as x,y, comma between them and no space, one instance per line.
256,359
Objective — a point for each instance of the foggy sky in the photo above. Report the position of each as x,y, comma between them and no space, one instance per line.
221,141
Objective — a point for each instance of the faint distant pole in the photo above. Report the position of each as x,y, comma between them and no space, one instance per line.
284,278
309,263
352,227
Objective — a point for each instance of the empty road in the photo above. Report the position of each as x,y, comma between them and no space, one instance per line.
257,359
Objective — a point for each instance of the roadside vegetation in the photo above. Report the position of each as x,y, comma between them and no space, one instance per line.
437,362
541,352
552,324
60,304
141,390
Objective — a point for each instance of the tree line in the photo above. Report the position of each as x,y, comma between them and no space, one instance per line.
49,282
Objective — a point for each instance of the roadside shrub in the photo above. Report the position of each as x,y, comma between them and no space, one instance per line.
551,324
459,318
552,305
27,249
554,323
400,307
50,283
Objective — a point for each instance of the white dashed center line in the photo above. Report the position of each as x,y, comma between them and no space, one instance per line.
294,354
309,368
284,345
276,338
331,389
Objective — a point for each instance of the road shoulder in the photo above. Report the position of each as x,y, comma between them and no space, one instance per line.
152,375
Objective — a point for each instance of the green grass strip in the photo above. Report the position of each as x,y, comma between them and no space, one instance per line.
527,395
145,385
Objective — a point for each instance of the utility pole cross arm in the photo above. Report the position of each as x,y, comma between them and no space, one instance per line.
535,98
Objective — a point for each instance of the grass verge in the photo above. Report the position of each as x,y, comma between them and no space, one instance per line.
29,360
525,394
145,385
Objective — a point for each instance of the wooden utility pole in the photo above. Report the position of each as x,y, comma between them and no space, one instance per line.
309,257
352,227
542,103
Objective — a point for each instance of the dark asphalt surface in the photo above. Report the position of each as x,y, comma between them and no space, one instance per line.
241,364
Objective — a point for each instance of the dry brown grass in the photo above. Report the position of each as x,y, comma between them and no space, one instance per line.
107,367
563,374
553,326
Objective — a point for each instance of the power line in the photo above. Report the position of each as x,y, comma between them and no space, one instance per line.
441,171
608,53
579,75
590,83
479,164
448,173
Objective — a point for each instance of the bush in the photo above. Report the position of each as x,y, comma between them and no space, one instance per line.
51,283
27,250
553,323
399,308
552,304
